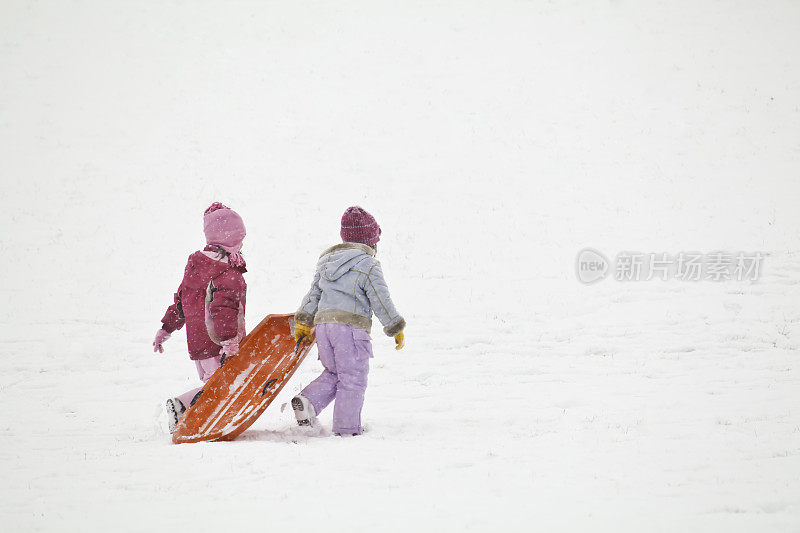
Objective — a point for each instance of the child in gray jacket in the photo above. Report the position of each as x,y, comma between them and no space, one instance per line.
348,287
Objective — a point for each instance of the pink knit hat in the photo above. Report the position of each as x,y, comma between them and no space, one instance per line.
360,226
224,228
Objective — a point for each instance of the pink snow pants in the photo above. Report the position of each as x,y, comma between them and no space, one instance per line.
205,368
344,352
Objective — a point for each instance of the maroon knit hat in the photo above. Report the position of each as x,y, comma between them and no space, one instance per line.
360,226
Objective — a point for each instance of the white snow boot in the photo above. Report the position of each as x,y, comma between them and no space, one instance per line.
175,410
304,411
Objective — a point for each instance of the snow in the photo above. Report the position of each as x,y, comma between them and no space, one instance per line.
239,381
493,141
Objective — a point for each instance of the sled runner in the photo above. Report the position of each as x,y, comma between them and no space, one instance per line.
241,390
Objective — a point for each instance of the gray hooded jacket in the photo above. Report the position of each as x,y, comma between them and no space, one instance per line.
348,287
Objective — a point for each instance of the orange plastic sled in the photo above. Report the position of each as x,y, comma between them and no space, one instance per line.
241,390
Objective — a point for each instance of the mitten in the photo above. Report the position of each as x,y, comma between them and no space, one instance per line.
301,330
161,337
400,340
230,347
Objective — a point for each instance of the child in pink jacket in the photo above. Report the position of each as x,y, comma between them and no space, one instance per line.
210,301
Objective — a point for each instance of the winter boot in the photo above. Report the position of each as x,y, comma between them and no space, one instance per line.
175,410
304,411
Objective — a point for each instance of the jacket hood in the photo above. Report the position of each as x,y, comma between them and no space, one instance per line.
201,269
340,259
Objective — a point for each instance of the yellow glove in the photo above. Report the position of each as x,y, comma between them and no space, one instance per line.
400,340
301,330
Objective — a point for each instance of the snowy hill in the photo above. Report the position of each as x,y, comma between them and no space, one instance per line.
493,141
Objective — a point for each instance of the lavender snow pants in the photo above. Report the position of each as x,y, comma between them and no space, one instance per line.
205,368
344,352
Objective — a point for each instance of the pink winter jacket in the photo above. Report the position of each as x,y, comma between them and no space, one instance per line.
211,302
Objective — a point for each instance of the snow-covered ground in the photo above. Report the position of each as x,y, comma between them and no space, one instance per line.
493,141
